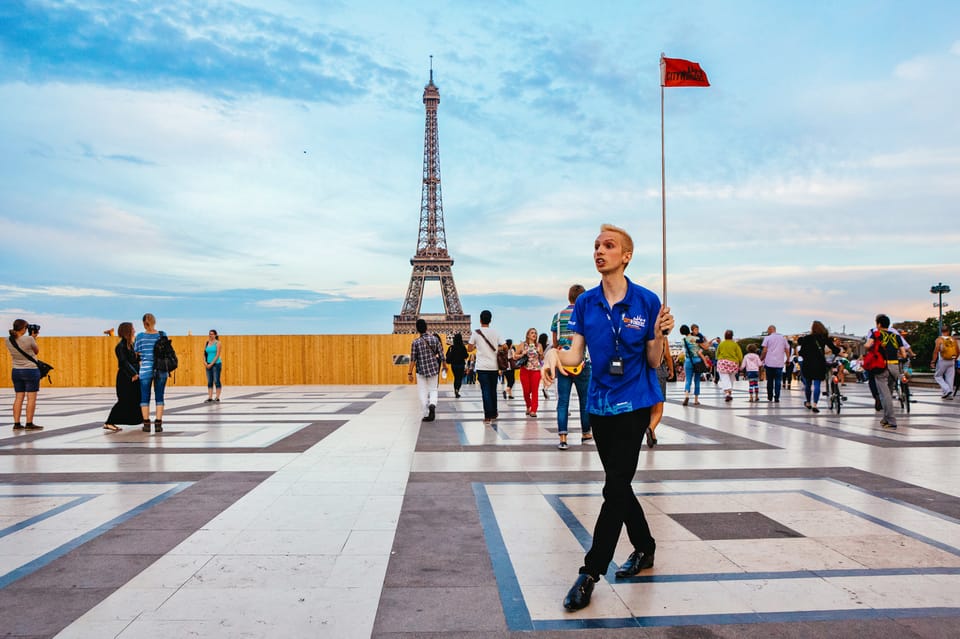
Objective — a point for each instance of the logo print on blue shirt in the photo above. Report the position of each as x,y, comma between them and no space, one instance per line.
637,322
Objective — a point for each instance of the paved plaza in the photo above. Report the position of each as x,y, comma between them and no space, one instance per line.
335,512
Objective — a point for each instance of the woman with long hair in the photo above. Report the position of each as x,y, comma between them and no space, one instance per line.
457,358
213,361
813,363
530,354
127,408
26,374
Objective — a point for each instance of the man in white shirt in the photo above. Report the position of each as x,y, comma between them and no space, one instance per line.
485,341
776,350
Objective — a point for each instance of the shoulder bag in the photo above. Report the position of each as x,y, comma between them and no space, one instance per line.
41,365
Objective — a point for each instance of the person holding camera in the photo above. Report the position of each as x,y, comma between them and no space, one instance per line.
26,373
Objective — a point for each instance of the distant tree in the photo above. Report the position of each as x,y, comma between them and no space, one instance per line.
922,335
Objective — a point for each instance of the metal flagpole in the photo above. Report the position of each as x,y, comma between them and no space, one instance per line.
663,191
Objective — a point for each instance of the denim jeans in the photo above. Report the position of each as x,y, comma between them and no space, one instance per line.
815,383
488,391
565,384
213,375
774,380
155,379
691,377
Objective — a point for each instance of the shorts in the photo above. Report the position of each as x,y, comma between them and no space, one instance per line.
26,380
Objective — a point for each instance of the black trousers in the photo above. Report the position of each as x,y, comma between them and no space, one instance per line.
618,439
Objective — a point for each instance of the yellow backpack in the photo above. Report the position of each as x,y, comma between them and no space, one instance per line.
948,348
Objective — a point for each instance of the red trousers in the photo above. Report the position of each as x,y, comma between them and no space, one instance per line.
530,381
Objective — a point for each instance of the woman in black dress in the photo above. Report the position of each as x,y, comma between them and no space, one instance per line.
813,364
457,358
127,408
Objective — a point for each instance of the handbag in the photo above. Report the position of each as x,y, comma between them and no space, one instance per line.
699,366
42,366
520,362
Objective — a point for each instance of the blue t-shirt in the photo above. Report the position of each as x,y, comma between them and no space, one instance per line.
143,344
631,324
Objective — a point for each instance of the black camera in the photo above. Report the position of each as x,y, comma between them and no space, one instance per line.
33,330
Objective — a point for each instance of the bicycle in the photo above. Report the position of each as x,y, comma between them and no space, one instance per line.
903,389
836,399
834,393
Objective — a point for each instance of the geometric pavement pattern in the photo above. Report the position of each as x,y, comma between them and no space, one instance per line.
334,511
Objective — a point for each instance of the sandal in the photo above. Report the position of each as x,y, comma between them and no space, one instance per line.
113,428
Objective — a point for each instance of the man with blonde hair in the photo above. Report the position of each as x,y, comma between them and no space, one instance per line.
624,326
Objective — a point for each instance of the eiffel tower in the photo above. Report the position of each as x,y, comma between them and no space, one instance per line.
432,262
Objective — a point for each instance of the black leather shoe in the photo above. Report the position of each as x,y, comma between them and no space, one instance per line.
579,595
636,562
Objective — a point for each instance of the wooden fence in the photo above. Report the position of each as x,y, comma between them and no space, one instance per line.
248,360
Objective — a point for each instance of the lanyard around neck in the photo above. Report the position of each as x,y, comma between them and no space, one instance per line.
615,329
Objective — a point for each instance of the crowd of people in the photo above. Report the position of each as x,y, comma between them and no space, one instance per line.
140,374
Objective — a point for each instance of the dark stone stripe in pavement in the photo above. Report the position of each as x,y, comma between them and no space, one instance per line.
827,425
44,602
443,436
296,442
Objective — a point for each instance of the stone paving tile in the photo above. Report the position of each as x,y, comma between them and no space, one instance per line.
419,554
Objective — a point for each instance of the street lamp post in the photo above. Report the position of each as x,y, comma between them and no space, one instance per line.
939,290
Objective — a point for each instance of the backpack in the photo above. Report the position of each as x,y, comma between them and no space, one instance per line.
874,360
948,348
164,357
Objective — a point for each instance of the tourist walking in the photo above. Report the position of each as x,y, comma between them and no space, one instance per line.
545,345
213,360
622,324
751,365
944,362
507,365
485,341
885,379
666,371
426,358
25,374
457,359
144,345
127,408
529,357
813,363
693,364
577,376
729,356
776,351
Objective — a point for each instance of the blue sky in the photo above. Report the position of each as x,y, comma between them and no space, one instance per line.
255,166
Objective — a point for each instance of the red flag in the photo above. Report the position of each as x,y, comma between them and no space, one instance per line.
675,72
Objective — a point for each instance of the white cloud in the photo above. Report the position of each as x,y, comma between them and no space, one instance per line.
285,303
8,292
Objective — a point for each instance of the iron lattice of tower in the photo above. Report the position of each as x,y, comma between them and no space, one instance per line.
432,262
